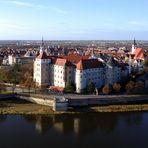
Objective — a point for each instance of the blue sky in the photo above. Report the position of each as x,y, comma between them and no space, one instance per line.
74,19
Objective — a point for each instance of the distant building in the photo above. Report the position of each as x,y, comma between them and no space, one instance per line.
112,71
136,57
28,58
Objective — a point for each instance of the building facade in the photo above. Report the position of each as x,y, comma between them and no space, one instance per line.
41,68
75,68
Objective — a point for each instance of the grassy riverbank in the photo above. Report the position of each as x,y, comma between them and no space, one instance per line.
121,108
15,106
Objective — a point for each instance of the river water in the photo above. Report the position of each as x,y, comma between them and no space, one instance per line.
93,130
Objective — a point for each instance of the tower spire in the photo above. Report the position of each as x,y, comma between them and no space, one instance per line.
135,42
134,46
42,41
92,52
42,46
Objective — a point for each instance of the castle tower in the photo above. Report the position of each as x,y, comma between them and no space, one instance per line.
41,68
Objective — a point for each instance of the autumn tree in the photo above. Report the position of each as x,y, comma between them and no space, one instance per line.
27,80
145,64
28,83
107,89
139,84
130,86
139,87
3,75
117,87
2,87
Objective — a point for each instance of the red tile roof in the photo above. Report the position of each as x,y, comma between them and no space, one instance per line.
138,54
62,62
75,58
88,64
59,61
56,88
42,55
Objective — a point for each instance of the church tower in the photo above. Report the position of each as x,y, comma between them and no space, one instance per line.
134,46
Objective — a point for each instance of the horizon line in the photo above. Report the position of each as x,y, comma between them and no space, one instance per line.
73,39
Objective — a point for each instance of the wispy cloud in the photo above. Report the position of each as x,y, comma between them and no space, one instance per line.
14,26
58,10
9,25
24,4
33,5
138,23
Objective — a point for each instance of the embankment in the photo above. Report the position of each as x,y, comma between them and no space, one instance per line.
7,96
10,104
107,100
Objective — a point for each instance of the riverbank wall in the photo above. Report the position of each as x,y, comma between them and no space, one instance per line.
78,101
7,96
37,99
108,100
56,104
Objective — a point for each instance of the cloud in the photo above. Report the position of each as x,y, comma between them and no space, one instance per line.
32,5
23,4
58,10
8,25
14,26
138,23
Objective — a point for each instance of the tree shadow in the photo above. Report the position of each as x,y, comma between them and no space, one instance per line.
11,101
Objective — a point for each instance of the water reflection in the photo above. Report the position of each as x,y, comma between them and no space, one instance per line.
77,130
42,123
132,118
83,124
2,118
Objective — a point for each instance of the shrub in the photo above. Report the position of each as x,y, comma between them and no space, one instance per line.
90,87
70,87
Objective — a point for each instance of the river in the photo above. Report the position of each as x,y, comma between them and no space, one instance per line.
93,130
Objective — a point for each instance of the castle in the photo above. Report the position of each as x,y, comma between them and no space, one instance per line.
56,71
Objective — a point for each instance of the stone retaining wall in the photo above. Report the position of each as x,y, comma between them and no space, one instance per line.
47,102
56,104
74,102
7,96
108,101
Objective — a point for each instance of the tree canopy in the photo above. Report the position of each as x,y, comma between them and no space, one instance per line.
70,87
90,87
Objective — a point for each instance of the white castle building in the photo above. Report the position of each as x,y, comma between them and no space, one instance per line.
57,71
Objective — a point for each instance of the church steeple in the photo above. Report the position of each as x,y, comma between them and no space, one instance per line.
134,46
42,42
42,46
135,42
92,52
42,54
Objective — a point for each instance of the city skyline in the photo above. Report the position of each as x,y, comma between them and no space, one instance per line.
73,20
